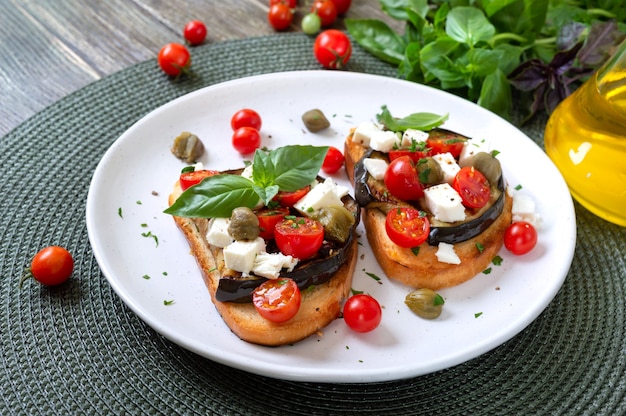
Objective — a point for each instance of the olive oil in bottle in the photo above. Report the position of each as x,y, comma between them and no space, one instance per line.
586,139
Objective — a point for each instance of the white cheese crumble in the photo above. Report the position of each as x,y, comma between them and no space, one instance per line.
384,140
269,265
325,194
240,255
411,136
444,202
362,134
471,147
446,254
524,210
376,167
448,164
217,234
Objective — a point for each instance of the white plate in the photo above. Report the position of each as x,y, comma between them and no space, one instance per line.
135,176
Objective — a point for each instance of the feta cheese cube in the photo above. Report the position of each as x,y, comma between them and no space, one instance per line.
449,167
217,234
325,194
240,255
247,172
446,254
471,147
524,210
362,134
375,167
384,140
269,265
444,203
411,136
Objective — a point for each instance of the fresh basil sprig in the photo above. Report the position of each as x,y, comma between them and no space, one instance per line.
287,168
417,121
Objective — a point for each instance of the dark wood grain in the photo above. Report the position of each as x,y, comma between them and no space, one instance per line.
49,49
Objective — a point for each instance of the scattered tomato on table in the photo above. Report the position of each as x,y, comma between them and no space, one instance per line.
246,117
520,237
362,313
332,49
311,23
333,161
326,11
280,16
51,266
246,140
342,6
174,59
195,32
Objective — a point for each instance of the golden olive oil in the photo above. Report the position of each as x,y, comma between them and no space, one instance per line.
586,139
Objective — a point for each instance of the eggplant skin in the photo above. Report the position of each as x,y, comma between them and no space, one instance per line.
316,271
373,194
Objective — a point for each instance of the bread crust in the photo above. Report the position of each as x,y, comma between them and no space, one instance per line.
320,305
424,270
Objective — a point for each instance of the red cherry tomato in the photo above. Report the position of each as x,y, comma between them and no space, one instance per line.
326,11
362,313
402,180
472,186
188,179
288,199
407,227
291,3
520,237
246,118
300,237
444,142
415,155
342,6
333,161
277,300
194,32
174,59
280,16
268,218
51,266
246,140
332,49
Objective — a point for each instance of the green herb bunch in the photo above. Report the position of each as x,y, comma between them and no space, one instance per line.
489,50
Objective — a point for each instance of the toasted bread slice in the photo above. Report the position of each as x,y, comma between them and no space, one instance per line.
320,305
424,270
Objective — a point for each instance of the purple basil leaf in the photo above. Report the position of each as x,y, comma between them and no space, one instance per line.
563,61
529,75
569,35
601,41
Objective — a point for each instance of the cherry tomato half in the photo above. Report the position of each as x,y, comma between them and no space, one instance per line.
326,10
332,49
246,118
268,218
300,237
246,140
288,199
174,59
407,227
402,180
188,179
520,237
277,300
280,16
415,155
472,186
444,142
52,265
333,161
362,313
194,32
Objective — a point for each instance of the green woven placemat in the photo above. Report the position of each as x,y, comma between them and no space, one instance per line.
78,349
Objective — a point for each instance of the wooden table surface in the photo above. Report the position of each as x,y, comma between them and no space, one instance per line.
49,49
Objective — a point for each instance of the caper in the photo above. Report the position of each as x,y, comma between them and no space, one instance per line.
429,171
244,224
314,120
486,164
337,222
187,147
425,302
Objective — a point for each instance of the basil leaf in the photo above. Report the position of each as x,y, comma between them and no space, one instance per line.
418,121
469,25
266,194
377,38
495,94
215,197
297,166
262,169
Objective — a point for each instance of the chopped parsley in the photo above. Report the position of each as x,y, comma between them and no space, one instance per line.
145,276
480,247
487,270
119,212
415,250
168,302
150,235
477,314
497,260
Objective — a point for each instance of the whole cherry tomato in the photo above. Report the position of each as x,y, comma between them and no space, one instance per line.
246,140
291,3
362,313
280,16
407,227
246,117
277,300
402,180
300,237
174,59
332,49
333,161
194,32
51,266
520,237
342,6
326,10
